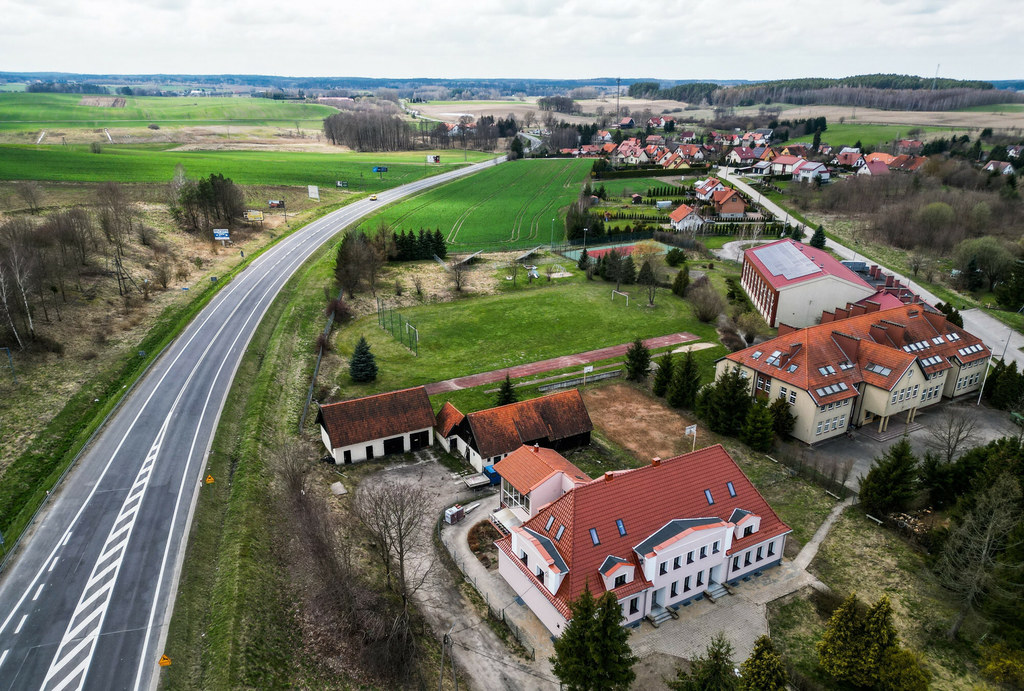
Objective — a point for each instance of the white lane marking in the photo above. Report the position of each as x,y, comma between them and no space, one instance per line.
66,538
3,656
21,623
52,564
38,590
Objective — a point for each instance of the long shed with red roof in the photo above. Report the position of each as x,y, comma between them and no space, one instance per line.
658,537
374,426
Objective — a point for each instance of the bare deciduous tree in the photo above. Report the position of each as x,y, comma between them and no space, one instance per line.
14,236
458,272
956,428
31,193
7,299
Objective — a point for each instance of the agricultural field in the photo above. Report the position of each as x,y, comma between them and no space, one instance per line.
128,163
513,203
871,136
33,111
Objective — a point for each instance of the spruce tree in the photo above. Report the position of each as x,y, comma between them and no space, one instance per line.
758,429
841,648
440,246
891,482
663,376
713,671
1006,392
362,367
727,403
507,393
783,419
818,239
682,280
764,669
628,270
593,651
638,361
584,261
682,390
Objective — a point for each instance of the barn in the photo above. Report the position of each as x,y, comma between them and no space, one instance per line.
374,426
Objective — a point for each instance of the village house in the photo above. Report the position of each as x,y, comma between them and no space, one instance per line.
706,188
559,421
799,150
365,428
687,137
1000,167
907,163
685,218
809,171
783,164
1015,151
741,156
862,365
658,537
728,204
603,136
910,147
626,123
789,282
531,478
849,159
874,168
879,156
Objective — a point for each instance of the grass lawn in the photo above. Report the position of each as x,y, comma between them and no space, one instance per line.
626,186
871,136
151,164
491,332
994,108
29,111
513,203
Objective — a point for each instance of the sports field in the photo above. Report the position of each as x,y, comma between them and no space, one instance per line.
31,111
133,163
512,203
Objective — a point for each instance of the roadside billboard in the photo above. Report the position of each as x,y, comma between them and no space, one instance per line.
253,215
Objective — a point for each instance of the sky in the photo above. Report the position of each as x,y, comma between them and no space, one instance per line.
554,39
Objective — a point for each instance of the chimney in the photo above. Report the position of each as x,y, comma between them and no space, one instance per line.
656,461
888,280
535,448
608,476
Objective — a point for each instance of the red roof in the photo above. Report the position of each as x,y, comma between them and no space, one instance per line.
503,429
848,159
376,417
722,196
825,263
876,168
645,499
529,466
447,419
786,160
681,212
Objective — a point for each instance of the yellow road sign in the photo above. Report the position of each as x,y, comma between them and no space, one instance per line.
165,661
209,479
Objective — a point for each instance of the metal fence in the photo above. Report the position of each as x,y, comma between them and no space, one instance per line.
399,327
577,381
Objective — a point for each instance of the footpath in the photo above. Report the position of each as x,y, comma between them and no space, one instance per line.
552,364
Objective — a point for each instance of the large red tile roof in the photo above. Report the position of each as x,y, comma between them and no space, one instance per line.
376,417
681,212
824,262
645,499
553,417
529,466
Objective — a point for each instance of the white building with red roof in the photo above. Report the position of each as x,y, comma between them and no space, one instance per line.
658,537
685,218
706,189
792,283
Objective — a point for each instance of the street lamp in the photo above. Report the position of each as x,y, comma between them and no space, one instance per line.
551,243
585,231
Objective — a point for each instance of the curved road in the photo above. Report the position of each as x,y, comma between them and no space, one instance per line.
87,602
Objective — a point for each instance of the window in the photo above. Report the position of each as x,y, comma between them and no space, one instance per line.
686,584
700,578
782,392
894,394
792,397
735,562
732,490
748,530
547,526
818,430
759,553
621,526
540,575
746,559
593,536
526,559
704,552
675,589
771,549
689,558
558,535
634,607
676,563
756,355
714,547
663,568
620,580
707,495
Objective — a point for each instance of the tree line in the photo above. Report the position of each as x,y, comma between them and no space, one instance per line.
65,88
200,205
369,130
559,104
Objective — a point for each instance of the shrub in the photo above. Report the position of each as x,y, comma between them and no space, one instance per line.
707,303
153,126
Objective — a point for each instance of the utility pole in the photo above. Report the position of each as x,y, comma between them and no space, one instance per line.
617,82
551,243
445,642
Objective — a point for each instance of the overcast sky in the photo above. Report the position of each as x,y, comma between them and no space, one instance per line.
558,39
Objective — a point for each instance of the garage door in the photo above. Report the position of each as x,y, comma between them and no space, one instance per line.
395,445
418,440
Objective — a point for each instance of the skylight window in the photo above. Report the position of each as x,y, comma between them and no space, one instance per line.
757,354
732,490
707,495
845,365
953,337
621,526
593,536
551,520
827,369
878,369
558,535
792,368
938,340
773,359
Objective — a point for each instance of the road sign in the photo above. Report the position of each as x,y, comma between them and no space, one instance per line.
341,183
433,158
380,169
275,203
588,368
221,234
165,661
314,192
209,479
253,215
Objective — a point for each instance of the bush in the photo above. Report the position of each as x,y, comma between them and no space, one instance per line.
707,303
153,126
96,148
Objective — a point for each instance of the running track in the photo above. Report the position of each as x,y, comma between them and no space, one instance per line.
552,364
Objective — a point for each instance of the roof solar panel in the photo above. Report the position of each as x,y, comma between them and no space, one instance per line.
786,260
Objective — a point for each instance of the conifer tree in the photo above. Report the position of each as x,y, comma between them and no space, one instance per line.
818,239
682,280
628,270
638,361
841,648
584,261
891,482
880,638
758,429
783,419
713,671
663,376
726,403
593,651
507,393
764,669
682,390
440,246
362,367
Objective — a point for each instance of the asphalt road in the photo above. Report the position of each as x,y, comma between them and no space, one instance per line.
87,601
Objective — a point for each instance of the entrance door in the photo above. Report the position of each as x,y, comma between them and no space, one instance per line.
713,575
418,440
348,456
394,445
658,598
369,452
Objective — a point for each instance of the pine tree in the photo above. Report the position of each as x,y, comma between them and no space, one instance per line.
758,429
682,280
638,360
593,651
584,261
841,648
507,393
764,669
682,390
663,376
362,367
712,671
628,270
1006,392
818,239
880,638
727,402
891,482
440,246
783,419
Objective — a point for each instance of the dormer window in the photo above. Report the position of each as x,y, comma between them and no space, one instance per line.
620,580
748,530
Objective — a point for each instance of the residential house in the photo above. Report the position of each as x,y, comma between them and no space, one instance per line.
783,164
687,137
657,537
789,282
705,189
604,136
862,365
809,171
365,428
799,150
741,156
874,168
911,147
768,153
685,218
559,421
1000,167
907,163
729,204
1015,151
824,149
626,123
656,121
655,140
850,150
532,477
879,156
691,153
849,159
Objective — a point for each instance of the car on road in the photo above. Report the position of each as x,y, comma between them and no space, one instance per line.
373,197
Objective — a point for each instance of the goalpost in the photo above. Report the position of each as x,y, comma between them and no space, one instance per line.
616,292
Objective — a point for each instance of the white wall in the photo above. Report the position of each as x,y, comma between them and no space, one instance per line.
534,599
801,304
779,544
359,450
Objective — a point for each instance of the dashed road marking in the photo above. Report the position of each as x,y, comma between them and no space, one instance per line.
38,590
21,623
3,656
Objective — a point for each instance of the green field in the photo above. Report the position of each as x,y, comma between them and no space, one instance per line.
31,111
512,203
846,134
637,185
128,163
994,108
12,86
